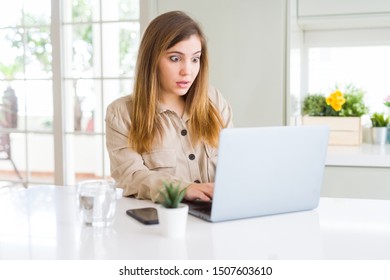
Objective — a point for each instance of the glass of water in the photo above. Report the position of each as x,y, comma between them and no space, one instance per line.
96,201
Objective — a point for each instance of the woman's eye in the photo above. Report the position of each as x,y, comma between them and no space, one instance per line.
196,59
174,58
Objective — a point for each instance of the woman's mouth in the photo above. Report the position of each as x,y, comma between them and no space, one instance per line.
183,84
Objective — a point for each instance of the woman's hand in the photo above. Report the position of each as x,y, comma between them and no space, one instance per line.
202,192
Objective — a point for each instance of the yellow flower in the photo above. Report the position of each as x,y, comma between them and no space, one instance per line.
336,100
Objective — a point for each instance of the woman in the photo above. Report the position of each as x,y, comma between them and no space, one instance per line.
168,129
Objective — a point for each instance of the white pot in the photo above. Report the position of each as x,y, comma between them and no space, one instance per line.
379,135
173,221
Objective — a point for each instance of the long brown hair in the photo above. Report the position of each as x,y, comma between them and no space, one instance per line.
205,122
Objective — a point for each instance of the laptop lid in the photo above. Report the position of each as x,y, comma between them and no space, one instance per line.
268,170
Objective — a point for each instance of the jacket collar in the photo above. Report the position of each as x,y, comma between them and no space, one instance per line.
162,110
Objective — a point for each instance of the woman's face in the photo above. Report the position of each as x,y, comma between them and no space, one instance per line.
179,66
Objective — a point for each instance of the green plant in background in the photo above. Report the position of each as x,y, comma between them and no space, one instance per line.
387,101
172,195
9,71
319,105
314,105
354,102
379,120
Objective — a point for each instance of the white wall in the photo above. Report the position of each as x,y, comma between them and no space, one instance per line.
247,42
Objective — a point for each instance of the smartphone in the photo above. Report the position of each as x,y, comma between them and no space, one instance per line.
147,215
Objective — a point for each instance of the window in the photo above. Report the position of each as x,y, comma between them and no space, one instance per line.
62,99
366,67
321,58
26,91
100,43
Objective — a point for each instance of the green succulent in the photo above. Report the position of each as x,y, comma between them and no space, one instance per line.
379,120
172,195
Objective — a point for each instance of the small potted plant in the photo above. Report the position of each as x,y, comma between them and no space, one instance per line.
172,214
379,128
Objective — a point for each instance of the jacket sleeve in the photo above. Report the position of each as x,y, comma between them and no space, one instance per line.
127,165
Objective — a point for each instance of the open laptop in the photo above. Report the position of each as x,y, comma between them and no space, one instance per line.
265,171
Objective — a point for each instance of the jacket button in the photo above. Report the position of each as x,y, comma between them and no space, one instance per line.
184,132
197,181
191,156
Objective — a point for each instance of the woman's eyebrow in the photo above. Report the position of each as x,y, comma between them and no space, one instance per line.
177,52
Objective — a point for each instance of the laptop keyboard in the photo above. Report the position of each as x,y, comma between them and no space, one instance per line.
200,206
203,209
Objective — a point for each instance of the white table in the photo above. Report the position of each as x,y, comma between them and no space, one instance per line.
42,223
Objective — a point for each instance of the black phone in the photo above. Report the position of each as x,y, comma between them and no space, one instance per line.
147,215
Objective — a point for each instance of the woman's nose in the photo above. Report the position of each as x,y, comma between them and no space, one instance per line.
185,68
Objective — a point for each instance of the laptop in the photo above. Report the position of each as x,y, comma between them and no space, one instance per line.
265,171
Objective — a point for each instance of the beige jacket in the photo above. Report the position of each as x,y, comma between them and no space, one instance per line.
175,159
